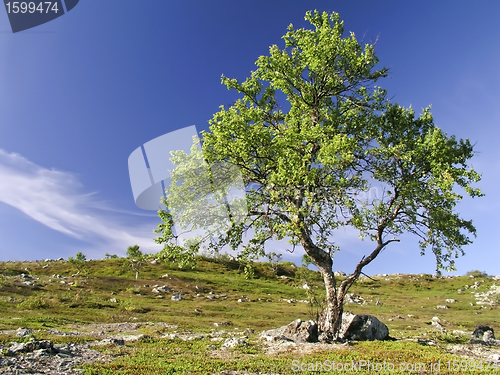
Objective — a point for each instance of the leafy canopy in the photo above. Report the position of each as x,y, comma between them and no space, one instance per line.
310,164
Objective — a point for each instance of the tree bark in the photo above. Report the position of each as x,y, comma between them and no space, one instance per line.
330,320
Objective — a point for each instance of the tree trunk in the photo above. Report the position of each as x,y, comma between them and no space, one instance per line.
136,275
330,320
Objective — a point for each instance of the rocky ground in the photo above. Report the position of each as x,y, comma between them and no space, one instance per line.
44,357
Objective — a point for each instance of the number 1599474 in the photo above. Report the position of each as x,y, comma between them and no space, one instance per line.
32,7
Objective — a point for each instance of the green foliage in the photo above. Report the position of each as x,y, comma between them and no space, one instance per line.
274,261
136,259
34,303
110,256
249,271
79,261
307,171
476,273
316,299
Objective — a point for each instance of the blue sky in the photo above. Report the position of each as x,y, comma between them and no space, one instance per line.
80,93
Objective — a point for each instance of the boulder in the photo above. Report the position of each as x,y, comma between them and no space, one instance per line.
297,331
354,327
300,331
362,328
484,335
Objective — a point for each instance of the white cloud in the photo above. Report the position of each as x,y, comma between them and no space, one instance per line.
55,199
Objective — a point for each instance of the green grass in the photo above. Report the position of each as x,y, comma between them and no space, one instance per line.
86,298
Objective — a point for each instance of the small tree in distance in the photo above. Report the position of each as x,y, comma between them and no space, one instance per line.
136,259
306,171
78,261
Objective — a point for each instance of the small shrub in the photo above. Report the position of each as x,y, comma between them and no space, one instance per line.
33,303
476,273
450,338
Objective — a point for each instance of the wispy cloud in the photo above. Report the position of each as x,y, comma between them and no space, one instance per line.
57,200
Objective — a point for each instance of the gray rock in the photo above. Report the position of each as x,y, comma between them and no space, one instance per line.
297,331
161,289
176,298
23,332
105,342
300,331
339,273
362,328
449,300
30,346
442,307
484,335
233,342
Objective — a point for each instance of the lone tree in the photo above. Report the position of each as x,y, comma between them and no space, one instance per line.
79,261
307,169
136,259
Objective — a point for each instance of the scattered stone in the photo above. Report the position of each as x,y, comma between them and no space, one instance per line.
23,332
442,307
488,298
164,276
353,298
241,300
339,274
475,285
436,323
161,289
176,297
105,342
233,342
30,346
221,324
449,300
113,300
306,286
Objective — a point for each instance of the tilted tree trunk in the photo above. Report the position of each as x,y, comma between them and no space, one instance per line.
330,320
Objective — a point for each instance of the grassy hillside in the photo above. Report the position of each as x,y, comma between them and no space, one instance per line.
44,295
